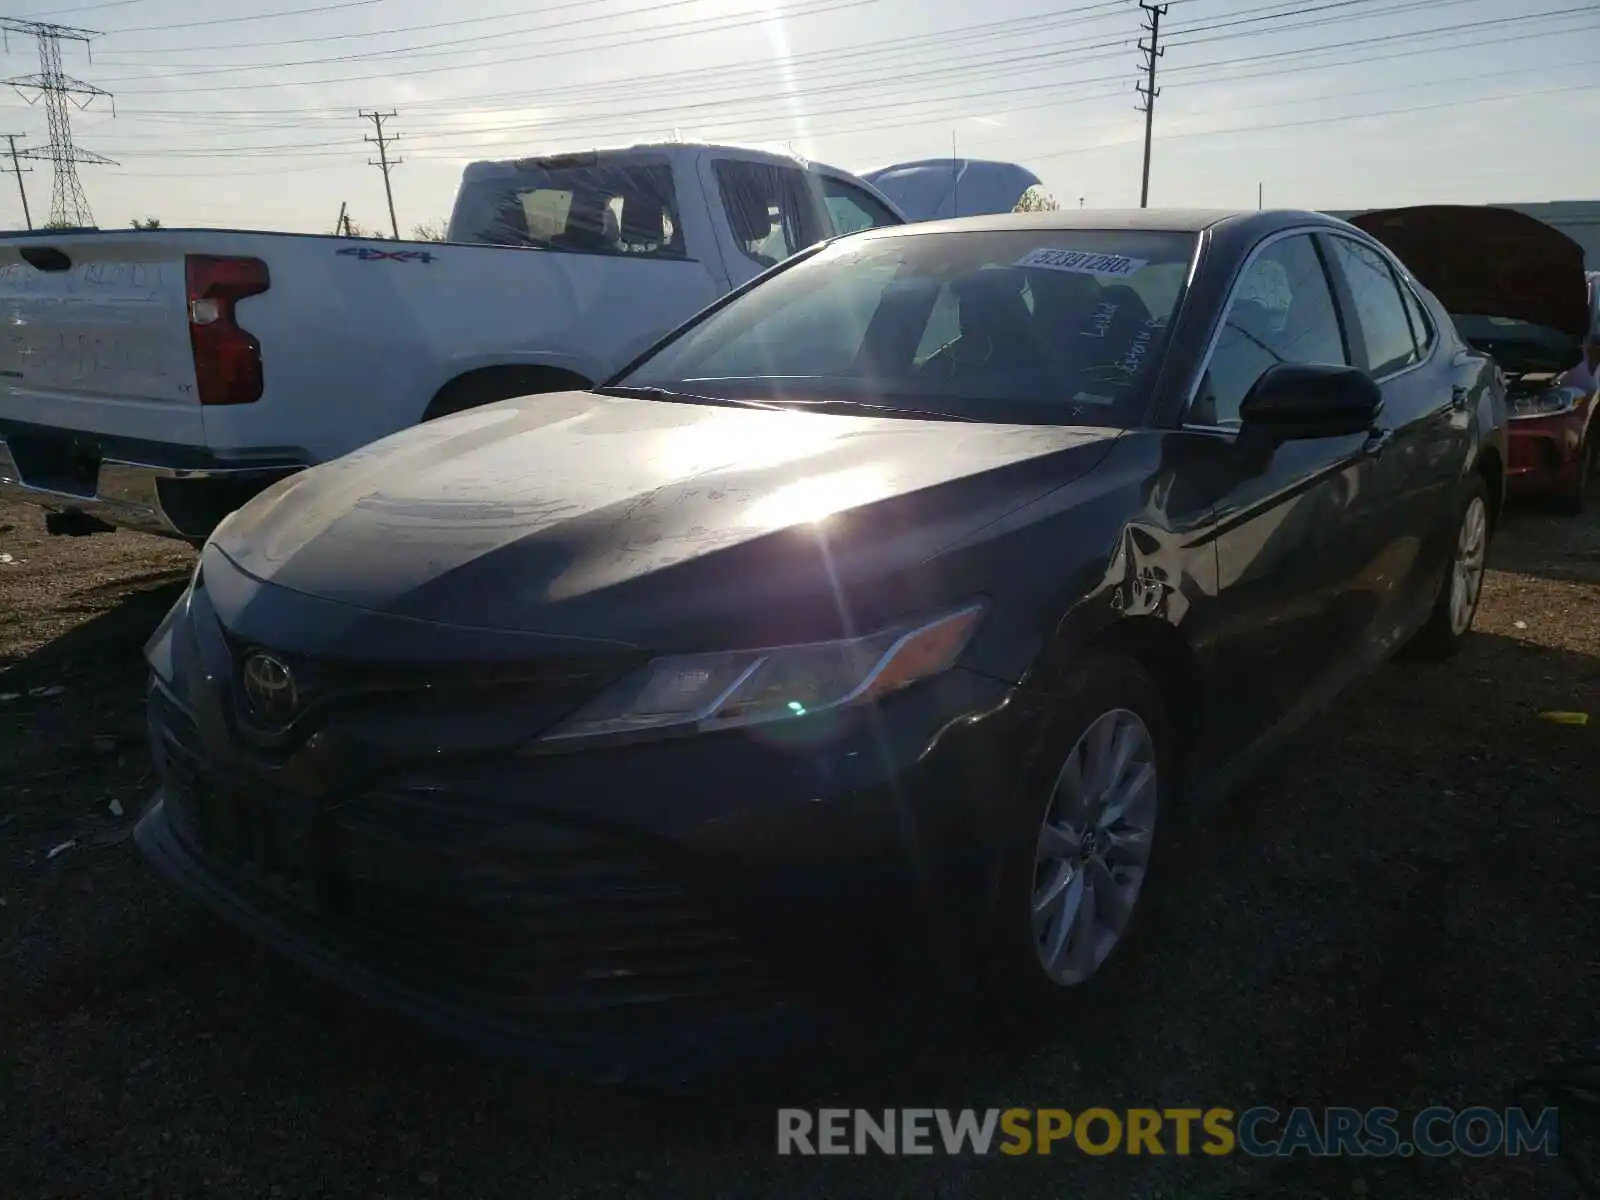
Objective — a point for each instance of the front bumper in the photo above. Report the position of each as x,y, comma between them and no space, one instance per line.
639,912
171,491
1545,452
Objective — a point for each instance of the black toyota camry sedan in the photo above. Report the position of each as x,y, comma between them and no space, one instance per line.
877,625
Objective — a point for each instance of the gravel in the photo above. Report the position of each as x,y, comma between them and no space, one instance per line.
1401,911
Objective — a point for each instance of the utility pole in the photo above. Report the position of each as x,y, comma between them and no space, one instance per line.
1148,89
1260,195
338,226
382,141
16,167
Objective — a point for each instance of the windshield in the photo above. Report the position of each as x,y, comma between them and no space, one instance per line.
1028,326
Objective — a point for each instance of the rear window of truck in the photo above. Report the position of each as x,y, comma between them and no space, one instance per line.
593,209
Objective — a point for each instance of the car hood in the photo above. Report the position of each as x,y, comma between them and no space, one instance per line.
1495,262
934,189
634,520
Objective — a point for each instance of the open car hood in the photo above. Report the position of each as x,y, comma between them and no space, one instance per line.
936,188
1494,262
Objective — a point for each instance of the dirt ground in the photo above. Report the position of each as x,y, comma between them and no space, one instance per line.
1401,912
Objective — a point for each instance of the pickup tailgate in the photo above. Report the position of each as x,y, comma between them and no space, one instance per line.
96,336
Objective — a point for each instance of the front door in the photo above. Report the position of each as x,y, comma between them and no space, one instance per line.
1295,519
768,211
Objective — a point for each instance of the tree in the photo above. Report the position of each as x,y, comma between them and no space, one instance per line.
147,223
428,231
1036,199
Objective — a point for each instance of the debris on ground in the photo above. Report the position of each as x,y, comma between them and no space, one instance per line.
1565,718
61,849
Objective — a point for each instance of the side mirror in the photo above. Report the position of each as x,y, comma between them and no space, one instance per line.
1311,400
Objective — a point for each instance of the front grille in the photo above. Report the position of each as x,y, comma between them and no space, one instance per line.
536,916
433,687
509,914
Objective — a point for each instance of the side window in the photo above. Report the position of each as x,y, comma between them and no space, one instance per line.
1421,325
1385,327
770,209
852,210
1281,311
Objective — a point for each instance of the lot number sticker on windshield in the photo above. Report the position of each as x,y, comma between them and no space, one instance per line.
1082,262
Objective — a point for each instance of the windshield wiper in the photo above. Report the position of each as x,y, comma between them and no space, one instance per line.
887,410
785,405
661,393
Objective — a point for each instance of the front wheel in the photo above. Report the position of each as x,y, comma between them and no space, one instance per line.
1457,603
1081,837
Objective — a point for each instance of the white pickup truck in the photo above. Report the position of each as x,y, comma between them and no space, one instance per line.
157,380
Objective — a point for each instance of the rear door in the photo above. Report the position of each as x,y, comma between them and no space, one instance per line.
94,336
1425,423
1296,537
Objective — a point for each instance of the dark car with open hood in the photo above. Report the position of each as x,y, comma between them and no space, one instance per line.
1517,290
870,634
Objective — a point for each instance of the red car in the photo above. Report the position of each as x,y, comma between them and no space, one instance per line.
1517,290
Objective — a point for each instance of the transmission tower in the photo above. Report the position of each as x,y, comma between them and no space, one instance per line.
1148,91
68,204
381,141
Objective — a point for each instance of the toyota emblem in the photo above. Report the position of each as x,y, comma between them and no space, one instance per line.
270,689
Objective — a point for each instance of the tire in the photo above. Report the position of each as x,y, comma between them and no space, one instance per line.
1572,503
1103,695
1448,625
499,383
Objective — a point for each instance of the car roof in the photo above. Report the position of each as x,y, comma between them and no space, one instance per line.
1172,220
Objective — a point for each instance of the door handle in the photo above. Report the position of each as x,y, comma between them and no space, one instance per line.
1377,442
1458,397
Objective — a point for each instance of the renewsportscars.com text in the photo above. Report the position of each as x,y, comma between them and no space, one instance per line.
1259,1132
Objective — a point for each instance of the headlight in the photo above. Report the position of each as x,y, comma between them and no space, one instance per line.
746,687
1548,404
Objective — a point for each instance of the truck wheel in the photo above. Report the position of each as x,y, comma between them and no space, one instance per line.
501,383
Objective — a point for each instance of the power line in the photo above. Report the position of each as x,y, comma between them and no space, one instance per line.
456,138
633,87
1152,54
62,12
611,119
296,12
382,141
16,167
68,203
763,17
418,51
1334,120
1029,26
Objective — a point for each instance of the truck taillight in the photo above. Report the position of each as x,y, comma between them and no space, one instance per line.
227,357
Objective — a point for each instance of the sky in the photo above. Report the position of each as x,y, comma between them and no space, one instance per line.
245,113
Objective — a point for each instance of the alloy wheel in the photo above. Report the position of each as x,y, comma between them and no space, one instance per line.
1094,846
1466,578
